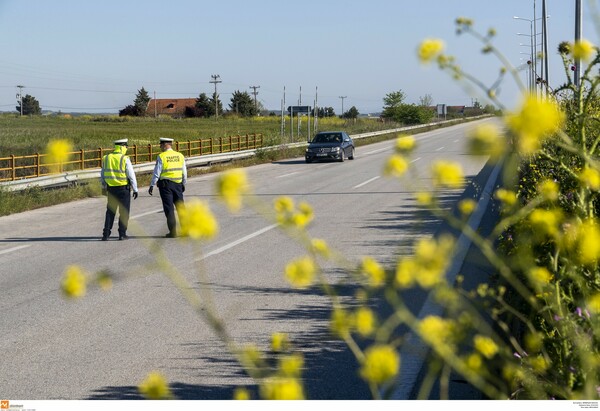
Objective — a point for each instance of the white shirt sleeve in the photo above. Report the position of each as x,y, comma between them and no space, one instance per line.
184,172
131,175
156,172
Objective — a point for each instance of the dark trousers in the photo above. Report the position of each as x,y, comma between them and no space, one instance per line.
171,194
118,198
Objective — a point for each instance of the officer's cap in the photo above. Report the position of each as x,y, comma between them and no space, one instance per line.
121,142
166,140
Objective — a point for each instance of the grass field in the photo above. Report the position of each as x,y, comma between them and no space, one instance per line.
29,135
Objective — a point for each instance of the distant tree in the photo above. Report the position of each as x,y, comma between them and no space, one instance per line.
242,104
204,104
193,111
30,106
130,110
141,100
351,113
392,101
426,100
326,112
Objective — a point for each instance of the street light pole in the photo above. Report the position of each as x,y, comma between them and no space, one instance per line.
577,38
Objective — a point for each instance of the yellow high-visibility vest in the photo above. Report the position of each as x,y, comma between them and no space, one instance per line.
172,166
113,167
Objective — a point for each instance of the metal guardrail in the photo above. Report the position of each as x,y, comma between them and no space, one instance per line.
37,165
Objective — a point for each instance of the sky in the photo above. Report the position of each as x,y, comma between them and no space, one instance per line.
94,56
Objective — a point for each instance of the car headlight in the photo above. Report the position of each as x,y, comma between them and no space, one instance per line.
335,149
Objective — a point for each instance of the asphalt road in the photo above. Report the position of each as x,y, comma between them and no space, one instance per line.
103,346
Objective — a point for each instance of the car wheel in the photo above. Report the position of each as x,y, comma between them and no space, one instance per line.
342,157
351,156
308,160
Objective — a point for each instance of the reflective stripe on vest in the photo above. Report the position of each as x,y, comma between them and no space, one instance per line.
113,169
172,166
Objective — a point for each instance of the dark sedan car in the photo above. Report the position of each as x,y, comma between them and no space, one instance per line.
330,145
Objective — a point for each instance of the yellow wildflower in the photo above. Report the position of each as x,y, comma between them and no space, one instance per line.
548,189
373,271
583,239
364,321
540,276
58,151
395,166
424,198
487,140
300,273
545,222
590,178
381,364
341,322
197,220
485,346
467,206
241,394
447,174
280,342
406,272
437,332
539,364
155,387
281,388
536,120
507,197
251,357
583,50
405,144
291,365
593,303
432,257
430,49
74,282
474,362
284,204
231,186
320,247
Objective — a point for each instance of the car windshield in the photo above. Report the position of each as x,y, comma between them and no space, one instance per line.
328,138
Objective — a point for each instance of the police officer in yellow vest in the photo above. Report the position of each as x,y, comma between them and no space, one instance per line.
118,179
170,175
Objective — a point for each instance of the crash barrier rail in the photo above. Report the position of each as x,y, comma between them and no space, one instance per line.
39,165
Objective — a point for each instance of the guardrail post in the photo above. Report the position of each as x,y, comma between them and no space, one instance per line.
37,164
82,158
14,173
189,148
135,160
149,153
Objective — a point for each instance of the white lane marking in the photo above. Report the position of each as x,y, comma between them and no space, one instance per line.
238,242
456,141
366,182
10,250
415,160
145,214
441,148
288,174
376,151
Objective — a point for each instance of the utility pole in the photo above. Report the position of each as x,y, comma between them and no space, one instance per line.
342,97
20,97
255,93
545,45
577,38
215,80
